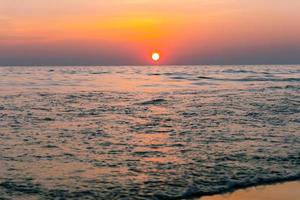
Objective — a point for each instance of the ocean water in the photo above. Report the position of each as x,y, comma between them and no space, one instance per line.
148,132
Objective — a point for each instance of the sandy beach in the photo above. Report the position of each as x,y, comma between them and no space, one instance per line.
282,191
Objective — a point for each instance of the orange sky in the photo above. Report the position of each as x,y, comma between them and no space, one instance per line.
63,32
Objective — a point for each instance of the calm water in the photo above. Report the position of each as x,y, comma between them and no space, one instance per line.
146,132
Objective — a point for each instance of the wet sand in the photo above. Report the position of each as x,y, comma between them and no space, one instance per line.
283,191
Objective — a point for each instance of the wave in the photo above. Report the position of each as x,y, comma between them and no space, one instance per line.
250,79
154,102
232,71
26,187
291,87
232,186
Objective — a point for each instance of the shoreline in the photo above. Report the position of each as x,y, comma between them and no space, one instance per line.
276,191
242,187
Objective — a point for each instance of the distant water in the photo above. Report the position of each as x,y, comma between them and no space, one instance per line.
146,132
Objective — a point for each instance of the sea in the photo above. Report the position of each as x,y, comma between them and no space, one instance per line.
146,132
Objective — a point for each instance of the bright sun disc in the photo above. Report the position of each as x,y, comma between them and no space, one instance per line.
155,56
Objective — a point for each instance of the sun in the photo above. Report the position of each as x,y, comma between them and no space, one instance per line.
155,56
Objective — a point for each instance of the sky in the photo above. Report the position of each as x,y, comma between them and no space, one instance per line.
126,32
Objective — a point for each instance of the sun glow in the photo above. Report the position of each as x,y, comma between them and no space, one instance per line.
155,56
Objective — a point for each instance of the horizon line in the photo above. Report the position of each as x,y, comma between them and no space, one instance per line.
144,65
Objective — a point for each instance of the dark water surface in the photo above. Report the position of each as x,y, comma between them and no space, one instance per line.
146,132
